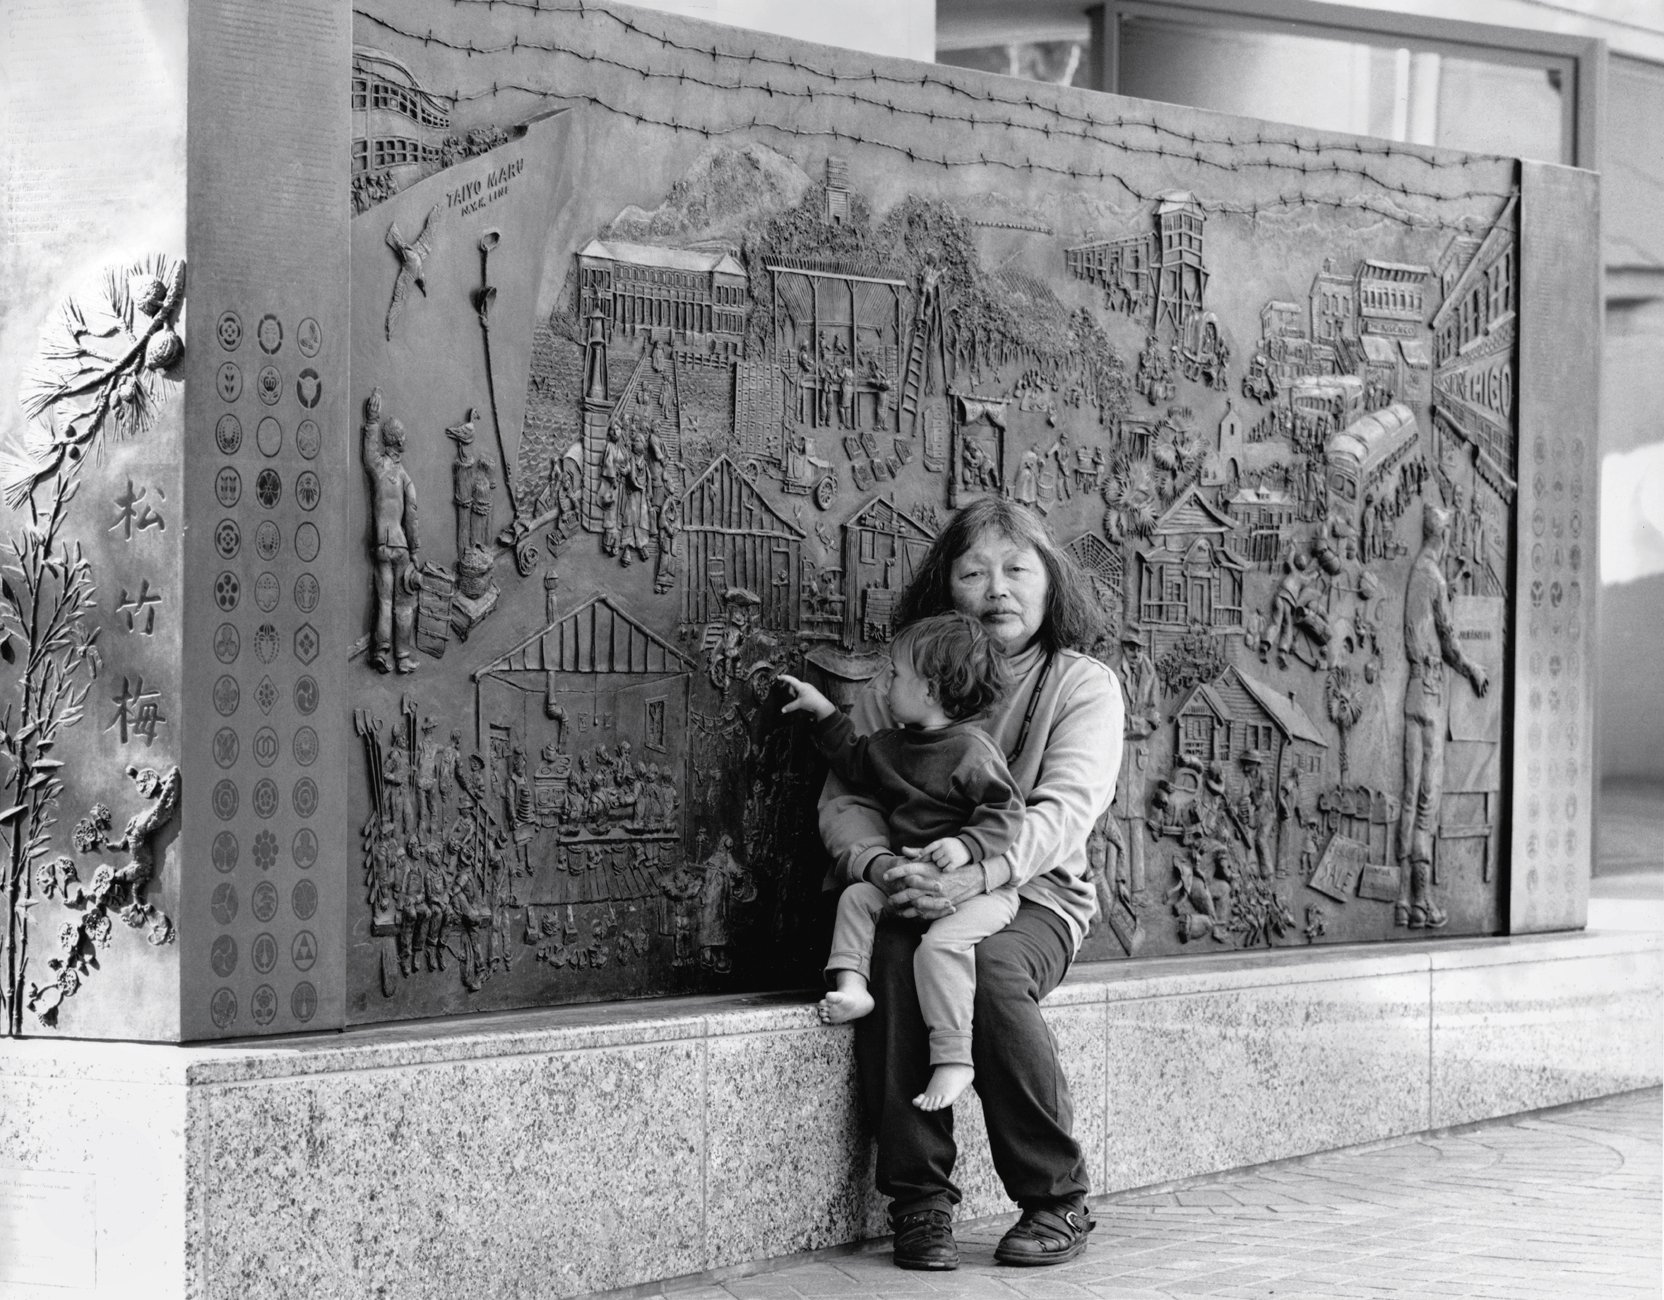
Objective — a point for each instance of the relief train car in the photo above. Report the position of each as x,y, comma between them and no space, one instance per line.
1364,457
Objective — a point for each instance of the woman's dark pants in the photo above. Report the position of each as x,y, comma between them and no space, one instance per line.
1025,1098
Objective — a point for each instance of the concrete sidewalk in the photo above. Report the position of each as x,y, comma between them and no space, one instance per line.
1557,1205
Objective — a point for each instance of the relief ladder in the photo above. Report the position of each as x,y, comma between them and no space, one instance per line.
927,328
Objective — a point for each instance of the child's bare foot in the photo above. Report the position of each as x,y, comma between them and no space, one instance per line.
843,1005
946,1083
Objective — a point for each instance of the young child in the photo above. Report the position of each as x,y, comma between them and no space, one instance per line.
950,800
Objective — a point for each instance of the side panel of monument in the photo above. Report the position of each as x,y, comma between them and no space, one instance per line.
266,851
561,375
93,338
1557,577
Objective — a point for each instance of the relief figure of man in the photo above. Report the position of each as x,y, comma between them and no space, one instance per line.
394,550
1430,645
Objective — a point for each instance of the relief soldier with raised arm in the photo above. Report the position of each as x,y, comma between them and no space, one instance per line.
395,548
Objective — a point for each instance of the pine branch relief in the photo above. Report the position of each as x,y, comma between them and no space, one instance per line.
108,361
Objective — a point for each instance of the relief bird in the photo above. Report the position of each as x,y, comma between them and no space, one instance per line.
412,257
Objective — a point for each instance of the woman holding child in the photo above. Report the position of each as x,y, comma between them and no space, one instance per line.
1057,726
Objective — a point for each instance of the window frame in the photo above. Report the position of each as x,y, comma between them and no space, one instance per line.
1581,60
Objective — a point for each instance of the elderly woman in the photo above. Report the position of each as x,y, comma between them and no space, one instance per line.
1060,727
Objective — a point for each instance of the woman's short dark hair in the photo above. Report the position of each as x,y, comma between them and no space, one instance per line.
1072,620
958,659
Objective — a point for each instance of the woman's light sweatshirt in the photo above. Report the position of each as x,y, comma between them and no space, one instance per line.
1066,771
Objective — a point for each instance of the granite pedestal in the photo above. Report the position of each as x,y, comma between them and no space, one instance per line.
560,1152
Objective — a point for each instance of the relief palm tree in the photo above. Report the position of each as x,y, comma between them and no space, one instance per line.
1345,705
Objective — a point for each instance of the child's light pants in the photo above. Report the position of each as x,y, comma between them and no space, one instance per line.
944,966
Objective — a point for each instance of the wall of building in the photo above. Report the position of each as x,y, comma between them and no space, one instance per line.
1632,427
905,28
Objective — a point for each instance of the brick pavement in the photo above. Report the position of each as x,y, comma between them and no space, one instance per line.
1557,1205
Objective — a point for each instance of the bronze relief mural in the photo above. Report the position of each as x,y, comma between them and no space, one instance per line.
695,424
672,350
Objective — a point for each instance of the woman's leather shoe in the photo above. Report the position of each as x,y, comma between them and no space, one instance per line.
924,1240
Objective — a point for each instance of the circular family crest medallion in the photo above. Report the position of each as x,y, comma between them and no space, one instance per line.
222,956
228,539
228,434
268,436
268,540
263,901
269,385
267,591
228,589
222,1007
222,904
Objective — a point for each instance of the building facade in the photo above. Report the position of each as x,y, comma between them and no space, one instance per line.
691,296
1473,358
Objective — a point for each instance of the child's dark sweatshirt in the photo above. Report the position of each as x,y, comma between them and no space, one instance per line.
948,781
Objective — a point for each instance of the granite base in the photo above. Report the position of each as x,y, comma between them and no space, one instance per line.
567,1151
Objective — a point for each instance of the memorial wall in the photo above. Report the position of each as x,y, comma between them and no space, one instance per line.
394,599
